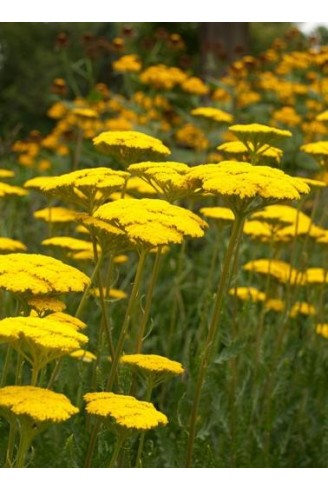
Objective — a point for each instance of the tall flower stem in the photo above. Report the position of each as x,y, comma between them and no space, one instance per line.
11,445
119,346
26,436
142,436
87,290
213,331
149,297
119,443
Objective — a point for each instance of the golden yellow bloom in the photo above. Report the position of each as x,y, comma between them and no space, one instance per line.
83,355
10,245
152,363
302,308
259,134
124,411
112,293
323,117
68,243
166,178
162,76
316,275
248,294
239,182
192,137
128,63
34,274
317,149
39,404
195,85
278,269
131,146
322,329
83,186
84,112
270,154
11,190
57,111
274,304
44,305
6,174
41,340
286,115
213,114
151,222
218,213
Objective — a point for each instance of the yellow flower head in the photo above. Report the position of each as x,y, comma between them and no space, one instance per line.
38,404
319,149
128,63
213,114
33,274
131,146
126,412
274,304
302,308
162,76
219,213
44,305
8,245
323,117
68,243
6,174
241,183
270,154
195,85
166,178
56,215
83,355
151,222
278,269
322,330
259,134
7,190
151,363
248,294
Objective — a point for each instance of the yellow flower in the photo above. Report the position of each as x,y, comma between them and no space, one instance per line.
166,178
6,174
131,146
302,308
84,113
44,305
151,222
286,115
317,149
259,134
278,269
11,190
162,76
153,363
213,114
124,411
241,183
270,154
219,213
322,329
39,404
274,304
195,85
10,245
248,294
68,243
127,63
41,340
83,355
34,274
112,293
192,137
323,117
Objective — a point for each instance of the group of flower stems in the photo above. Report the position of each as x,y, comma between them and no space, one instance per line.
148,226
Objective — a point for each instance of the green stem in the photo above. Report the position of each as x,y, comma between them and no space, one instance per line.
116,451
78,147
6,366
142,436
35,375
213,331
119,347
149,297
24,444
11,445
87,290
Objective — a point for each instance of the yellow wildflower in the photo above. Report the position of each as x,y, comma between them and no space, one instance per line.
274,304
218,213
259,134
195,85
83,355
268,154
10,245
152,363
35,274
6,174
213,114
192,137
39,404
11,190
46,304
302,308
128,63
124,411
248,294
162,76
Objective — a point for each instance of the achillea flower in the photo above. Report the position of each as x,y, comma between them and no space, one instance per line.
83,355
318,149
150,222
7,190
195,85
219,213
56,215
213,114
151,363
8,245
243,185
274,304
139,186
67,319
44,305
278,269
131,146
287,115
248,294
316,275
190,136
162,76
6,174
84,113
322,330
259,135
82,186
33,274
302,308
167,178
111,293
323,117
38,405
126,412
68,243
270,154
128,63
